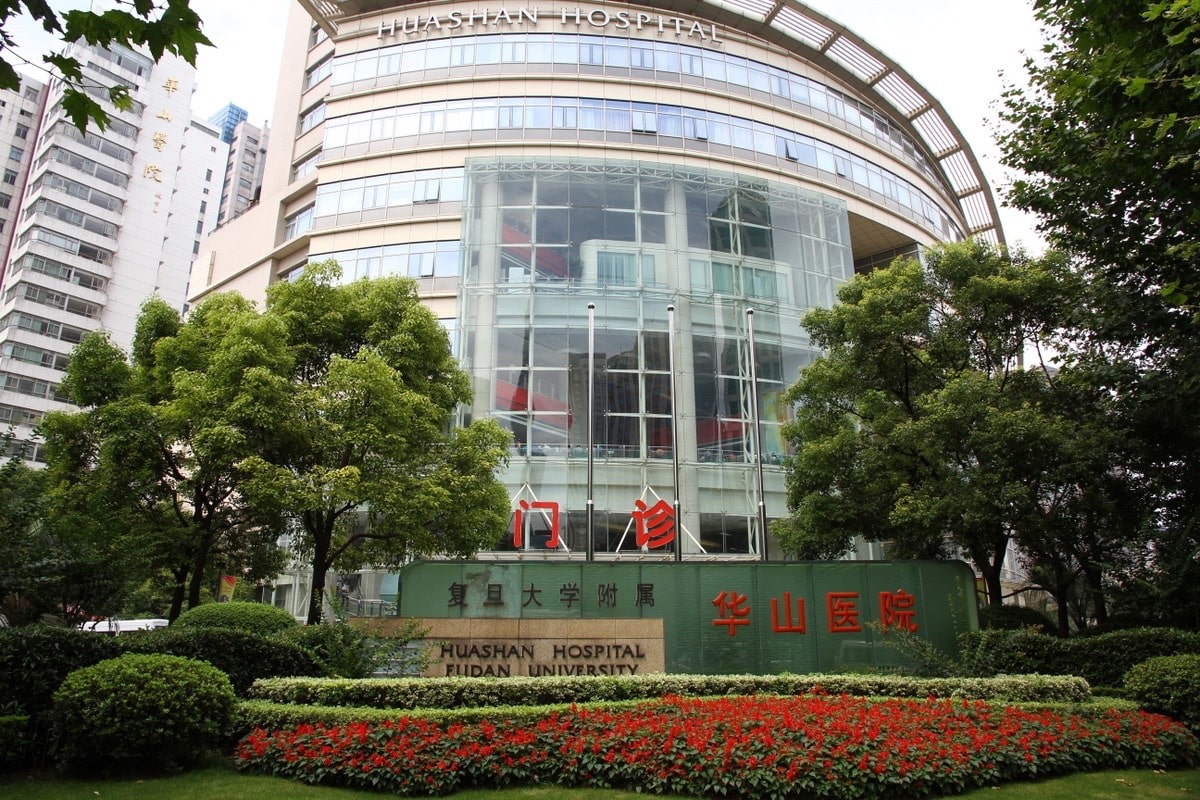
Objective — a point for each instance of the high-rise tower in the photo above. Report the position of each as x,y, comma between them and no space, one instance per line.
110,218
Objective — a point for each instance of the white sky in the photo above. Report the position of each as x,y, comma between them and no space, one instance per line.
963,51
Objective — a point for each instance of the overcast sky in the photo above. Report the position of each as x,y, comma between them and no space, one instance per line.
963,51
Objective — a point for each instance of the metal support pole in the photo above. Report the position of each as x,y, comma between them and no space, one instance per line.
591,433
756,423
674,434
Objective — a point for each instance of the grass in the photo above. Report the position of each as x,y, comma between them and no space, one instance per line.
219,781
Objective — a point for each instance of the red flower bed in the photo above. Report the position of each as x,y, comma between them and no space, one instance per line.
749,747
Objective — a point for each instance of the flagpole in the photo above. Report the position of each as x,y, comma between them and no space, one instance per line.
756,424
591,432
674,434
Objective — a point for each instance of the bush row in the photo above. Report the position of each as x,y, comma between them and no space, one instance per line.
760,747
34,660
14,740
411,693
1103,659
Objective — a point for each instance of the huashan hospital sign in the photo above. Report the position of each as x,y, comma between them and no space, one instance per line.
533,17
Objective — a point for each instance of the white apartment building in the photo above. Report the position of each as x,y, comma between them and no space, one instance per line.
110,218
20,113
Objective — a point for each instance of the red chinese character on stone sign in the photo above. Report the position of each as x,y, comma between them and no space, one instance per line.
655,525
843,612
788,626
519,521
732,610
898,610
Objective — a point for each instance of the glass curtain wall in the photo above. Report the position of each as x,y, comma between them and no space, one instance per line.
544,238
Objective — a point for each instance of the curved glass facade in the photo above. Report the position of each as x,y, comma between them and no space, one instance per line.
661,126
662,62
545,237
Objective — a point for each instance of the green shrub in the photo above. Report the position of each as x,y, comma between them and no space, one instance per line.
344,651
448,693
356,651
244,657
1168,685
145,712
1103,659
257,618
14,740
1014,618
34,660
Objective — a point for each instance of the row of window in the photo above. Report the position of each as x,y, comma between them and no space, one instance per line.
666,123
35,355
137,108
16,415
390,191
66,243
34,387
43,327
71,216
413,259
66,130
79,190
63,302
64,272
84,165
125,58
668,60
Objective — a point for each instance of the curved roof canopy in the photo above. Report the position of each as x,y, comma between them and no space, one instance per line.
830,46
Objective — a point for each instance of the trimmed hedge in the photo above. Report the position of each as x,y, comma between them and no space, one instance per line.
1168,685
14,740
1102,660
146,712
244,657
426,693
34,660
257,618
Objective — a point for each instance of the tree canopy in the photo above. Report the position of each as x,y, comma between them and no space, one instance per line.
924,426
1106,139
364,462
161,26
324,422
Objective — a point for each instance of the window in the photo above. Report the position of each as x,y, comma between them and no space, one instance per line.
22,131
299,223
207,175
10,177
318,72
5,200
312,117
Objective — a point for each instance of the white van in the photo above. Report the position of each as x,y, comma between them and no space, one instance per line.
113,626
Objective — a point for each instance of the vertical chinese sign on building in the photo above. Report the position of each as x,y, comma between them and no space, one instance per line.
716,617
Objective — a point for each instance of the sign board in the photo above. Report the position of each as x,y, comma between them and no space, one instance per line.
549,618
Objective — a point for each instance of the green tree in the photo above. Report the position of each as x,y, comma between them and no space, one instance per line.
157,443
1106,137
162,26
923,427
21,551
363,461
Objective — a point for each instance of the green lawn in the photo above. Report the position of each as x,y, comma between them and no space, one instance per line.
221,783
